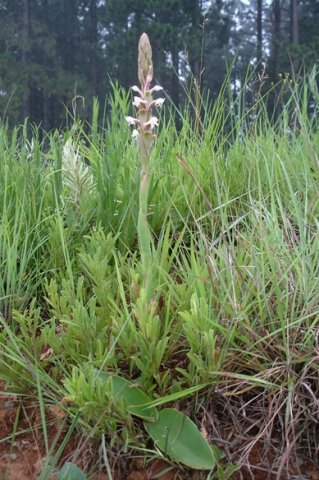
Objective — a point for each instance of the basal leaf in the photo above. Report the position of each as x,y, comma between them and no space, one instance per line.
179,438
70,471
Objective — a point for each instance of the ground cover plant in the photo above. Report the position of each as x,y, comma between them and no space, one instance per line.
195,298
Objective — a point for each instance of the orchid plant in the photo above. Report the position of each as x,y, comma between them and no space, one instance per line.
145,123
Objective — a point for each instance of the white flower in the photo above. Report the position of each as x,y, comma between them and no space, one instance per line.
153,122
157,88
139,101
137,90
159,102
132,120
135,133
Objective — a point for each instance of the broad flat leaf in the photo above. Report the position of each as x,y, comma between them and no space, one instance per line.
179,438
70,472
137,402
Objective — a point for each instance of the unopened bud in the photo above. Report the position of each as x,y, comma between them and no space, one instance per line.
145,64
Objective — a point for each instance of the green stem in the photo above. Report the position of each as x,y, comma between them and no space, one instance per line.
143,228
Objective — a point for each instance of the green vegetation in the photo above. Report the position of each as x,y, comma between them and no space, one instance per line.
232,206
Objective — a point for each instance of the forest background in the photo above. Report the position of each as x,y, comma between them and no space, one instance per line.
53,51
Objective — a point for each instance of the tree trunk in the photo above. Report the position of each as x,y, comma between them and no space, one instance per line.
294,21
259,33
45,110
68,43
276,37
195,53
93,45
24,53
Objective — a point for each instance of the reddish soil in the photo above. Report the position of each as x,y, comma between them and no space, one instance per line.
23,457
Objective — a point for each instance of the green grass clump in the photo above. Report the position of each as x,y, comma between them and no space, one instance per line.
235,272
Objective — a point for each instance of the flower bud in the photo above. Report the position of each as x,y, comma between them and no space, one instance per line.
145,64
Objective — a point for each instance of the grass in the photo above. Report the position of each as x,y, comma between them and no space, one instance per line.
235,222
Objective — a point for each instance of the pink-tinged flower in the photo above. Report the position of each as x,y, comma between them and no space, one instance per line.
153,122
132,120
158,102
137,90
156,88
138,101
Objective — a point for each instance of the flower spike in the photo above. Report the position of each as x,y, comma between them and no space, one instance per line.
144,125
144,101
